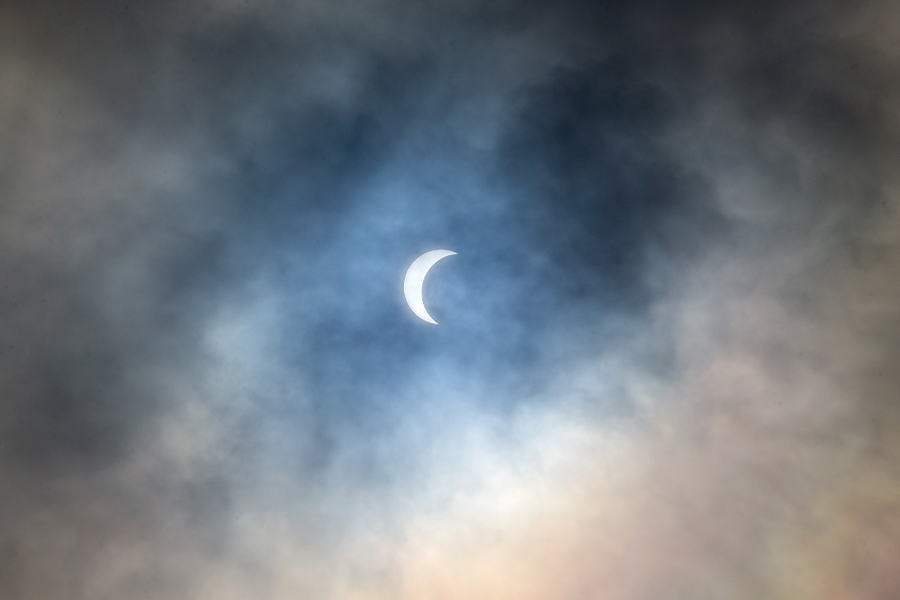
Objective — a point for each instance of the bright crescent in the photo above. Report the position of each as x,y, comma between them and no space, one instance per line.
415,277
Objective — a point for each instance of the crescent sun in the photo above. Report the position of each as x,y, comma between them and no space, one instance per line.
415,277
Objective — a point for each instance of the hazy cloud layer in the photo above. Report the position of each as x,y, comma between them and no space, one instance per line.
667,358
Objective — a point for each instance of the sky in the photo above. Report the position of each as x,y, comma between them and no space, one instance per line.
666,364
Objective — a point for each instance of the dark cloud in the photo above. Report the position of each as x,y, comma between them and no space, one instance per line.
664,344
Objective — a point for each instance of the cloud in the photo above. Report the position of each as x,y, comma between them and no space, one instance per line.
664,364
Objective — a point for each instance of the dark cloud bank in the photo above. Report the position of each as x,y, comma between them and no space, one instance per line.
666,364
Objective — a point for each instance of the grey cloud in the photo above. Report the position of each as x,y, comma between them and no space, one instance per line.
674,226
